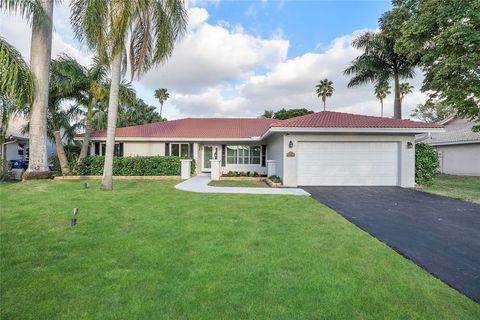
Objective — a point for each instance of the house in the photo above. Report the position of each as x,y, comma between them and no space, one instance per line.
458,147
324,148
16,147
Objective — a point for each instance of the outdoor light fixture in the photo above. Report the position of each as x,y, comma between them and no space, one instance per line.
290,144
74,219
409,145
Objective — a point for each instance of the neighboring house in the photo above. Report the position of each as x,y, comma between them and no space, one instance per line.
17,146
458,147
325,148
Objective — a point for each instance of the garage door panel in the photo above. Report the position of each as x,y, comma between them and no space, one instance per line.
348,163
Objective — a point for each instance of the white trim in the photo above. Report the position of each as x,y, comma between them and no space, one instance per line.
274,130
449,143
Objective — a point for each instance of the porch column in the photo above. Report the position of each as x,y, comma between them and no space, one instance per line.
186,166
215,173
271,168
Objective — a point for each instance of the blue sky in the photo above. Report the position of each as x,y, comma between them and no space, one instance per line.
240,58
305,23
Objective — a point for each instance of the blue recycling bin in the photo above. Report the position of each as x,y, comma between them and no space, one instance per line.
18,164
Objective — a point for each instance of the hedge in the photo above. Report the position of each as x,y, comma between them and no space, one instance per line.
426,163
132,166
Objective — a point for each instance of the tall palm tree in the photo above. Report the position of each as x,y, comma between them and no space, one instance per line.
151,26
41,13
378,63
382,89
324,90
405,88
162,95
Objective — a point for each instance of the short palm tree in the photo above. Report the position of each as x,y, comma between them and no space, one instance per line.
16,85
40,13
162,95
378,63
405,88
382,89
324,90
150,26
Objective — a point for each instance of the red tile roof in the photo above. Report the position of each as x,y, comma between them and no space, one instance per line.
196,128
233,128
331,119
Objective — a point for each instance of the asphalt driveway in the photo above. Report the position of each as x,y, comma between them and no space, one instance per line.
440,234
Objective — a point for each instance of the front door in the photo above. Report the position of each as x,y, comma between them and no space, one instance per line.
207,156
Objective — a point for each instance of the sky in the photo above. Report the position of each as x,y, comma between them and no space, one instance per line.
240,58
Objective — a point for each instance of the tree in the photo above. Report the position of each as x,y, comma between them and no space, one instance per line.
267,114
432,112
137,114
16,85
405,88
41,13
152,27
324,90
291,113
445,33
379,63
162,95
382,89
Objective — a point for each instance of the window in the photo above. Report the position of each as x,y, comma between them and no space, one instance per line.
117,150
244,154
184,150
232,154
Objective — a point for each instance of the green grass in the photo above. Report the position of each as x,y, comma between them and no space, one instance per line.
149,251
238,183
460,187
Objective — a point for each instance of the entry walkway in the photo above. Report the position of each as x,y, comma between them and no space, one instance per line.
200,184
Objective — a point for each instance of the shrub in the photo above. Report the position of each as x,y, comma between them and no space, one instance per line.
275,179
426,163
133,166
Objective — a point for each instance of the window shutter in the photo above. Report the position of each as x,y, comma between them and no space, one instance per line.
224,155
167,149
120,151
264,155
97,148
190,150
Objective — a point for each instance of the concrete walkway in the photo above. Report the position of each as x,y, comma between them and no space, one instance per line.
200,184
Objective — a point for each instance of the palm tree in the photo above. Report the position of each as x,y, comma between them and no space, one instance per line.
16,85
378,63
41,13
162,95
152,27
382,89
405,88
324,90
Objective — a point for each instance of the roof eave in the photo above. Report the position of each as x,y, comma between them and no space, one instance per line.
353,130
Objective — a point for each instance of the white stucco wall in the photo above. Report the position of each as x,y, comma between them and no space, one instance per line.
275,152
460,159
406,156
153,148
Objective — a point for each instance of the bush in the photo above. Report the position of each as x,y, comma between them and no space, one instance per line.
275,179
426,163
132,166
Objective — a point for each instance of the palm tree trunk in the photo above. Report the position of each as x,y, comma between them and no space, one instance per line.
62,157
381,103
161,108
397,104
40,55
88,132
324,104
112,122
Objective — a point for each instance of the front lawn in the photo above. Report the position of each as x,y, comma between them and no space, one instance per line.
149,251
238,183
461,187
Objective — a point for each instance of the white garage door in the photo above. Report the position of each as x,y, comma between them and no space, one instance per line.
348,163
